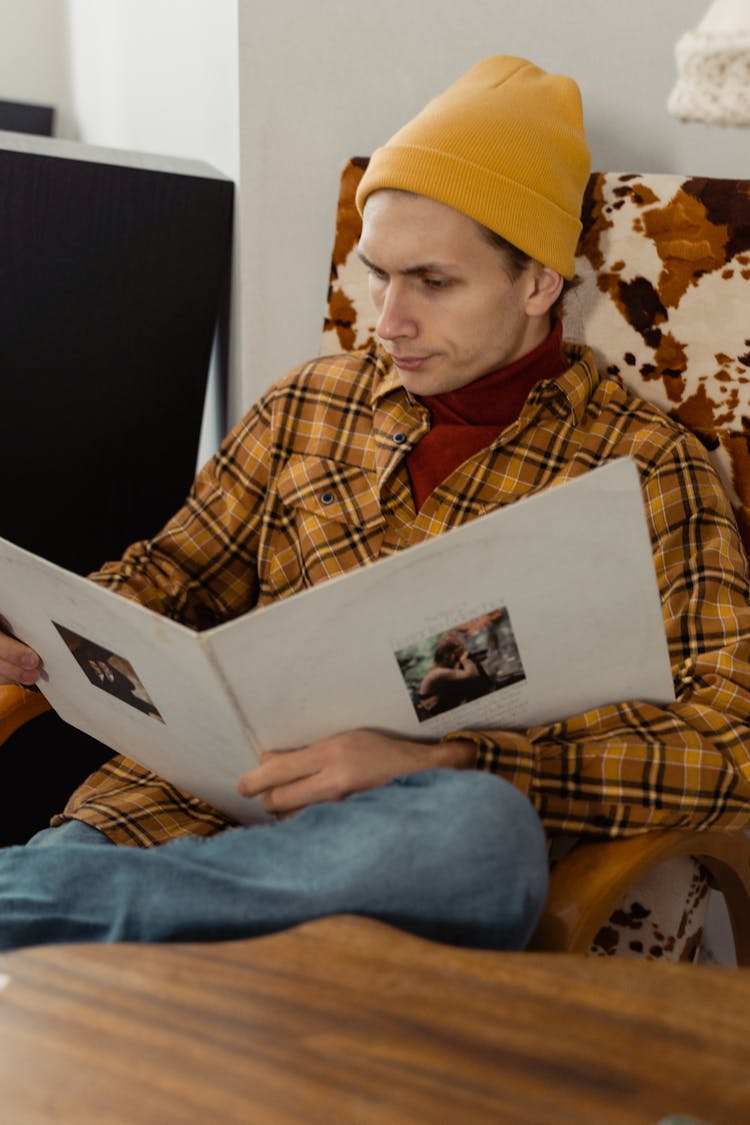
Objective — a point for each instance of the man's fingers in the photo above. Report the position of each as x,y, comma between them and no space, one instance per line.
18,663
286,800
276,768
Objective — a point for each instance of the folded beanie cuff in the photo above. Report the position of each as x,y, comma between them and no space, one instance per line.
530,221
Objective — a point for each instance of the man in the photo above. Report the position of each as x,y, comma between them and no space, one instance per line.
454,678
470,223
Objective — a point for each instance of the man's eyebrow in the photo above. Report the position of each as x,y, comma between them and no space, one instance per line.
413,271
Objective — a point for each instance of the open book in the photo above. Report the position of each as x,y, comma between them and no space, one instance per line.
543,609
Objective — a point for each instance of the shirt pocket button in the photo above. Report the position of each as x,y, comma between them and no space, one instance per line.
327,498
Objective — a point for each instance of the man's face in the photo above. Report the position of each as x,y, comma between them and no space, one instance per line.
448,310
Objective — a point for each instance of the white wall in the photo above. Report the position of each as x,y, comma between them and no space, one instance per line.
157,76
151,75
148,75
161,76
34,62
324,79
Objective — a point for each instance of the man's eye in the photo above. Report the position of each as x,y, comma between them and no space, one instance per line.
375,274
437,282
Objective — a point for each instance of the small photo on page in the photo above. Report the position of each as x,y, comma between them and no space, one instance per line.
457,665
108,671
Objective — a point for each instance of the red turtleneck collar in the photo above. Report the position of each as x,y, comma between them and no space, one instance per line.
470,418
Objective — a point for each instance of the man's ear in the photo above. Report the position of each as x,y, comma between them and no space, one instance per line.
546,288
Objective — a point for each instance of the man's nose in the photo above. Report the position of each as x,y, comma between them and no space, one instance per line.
396,317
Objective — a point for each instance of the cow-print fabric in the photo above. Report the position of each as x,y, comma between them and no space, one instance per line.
663,298
661,917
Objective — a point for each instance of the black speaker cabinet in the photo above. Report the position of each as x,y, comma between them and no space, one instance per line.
113,270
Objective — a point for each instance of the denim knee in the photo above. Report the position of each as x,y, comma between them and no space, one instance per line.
496,858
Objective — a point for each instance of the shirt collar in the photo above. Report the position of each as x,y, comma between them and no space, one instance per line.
387,380
575,385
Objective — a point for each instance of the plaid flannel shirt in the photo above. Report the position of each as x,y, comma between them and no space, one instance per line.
313,483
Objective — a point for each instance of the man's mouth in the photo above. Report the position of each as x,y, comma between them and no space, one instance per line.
410,362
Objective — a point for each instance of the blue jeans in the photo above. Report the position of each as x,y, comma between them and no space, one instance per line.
457,856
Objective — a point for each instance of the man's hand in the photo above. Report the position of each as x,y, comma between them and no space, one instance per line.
19,664
289,780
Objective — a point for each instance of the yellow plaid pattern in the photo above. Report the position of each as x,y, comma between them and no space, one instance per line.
313,483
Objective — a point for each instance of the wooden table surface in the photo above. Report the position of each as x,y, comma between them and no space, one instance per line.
346,1020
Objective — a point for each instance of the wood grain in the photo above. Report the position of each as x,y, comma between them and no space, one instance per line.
348,1020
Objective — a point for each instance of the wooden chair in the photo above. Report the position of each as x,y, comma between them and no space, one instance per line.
664,268
598,882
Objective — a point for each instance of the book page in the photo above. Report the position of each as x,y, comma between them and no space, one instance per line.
540,611
136,681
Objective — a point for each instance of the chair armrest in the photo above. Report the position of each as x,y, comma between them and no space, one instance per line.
17,706
588,884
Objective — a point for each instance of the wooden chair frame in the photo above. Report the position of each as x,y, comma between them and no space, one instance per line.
18,706
587,885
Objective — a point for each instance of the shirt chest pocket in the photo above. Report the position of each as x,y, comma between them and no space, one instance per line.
329,522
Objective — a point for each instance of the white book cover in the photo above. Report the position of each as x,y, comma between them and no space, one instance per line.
553,602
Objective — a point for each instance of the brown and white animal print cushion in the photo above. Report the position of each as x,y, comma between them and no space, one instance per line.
661,917
663,299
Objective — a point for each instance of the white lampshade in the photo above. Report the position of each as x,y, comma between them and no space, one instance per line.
713,67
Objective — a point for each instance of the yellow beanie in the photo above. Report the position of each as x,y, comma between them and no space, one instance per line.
505,145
